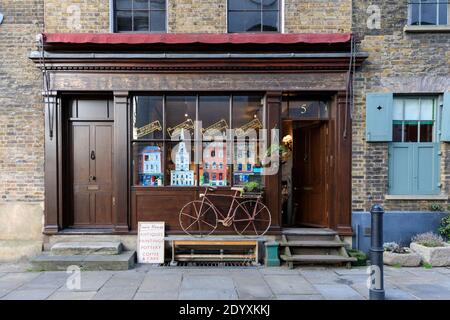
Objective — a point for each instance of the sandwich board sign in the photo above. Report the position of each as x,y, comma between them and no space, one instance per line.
150,248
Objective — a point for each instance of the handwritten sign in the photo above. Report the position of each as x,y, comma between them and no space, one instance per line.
151,242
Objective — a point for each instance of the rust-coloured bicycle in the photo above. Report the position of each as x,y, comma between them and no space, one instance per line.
248,214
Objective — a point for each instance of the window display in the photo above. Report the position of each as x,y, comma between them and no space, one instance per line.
182,175
150,169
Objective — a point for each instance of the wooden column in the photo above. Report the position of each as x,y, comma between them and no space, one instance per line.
273,182
341,208
121,165
52,112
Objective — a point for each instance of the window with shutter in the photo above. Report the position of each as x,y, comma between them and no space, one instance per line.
414,154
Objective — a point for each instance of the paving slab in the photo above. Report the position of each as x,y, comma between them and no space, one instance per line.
115,293
429,291
353,271
207,294
299,297
398,294
207,282
125,279
29,294
289,284
251,286
72,295
140,295
161,283
47,280
338,292
319,276
279,271
16,279
90,281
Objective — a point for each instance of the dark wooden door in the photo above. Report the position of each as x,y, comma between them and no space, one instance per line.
91,168
309,175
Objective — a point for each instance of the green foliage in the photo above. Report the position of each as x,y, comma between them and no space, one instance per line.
397,265
444,228
427,265
280,148
252,186
428,239
361,257
436,207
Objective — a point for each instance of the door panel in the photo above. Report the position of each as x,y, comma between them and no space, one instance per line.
91,161
309,175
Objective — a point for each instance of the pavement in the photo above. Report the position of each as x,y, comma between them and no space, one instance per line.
147,282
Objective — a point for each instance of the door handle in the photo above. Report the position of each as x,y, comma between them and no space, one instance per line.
92,178
92,155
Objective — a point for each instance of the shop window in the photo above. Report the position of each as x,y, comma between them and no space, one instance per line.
428,12
414,153
253,16
140,15
164,125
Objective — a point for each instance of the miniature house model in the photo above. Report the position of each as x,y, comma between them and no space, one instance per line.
182,176
215,165
244,163
149,160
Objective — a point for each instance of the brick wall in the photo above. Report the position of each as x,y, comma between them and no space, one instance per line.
21,111
398,62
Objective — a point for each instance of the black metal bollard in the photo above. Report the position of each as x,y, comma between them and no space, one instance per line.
376,291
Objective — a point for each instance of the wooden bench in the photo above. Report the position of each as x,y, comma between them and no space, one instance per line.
214,251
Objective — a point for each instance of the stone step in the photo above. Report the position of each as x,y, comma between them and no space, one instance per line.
309,232
313,244
94,262
317,259
87,248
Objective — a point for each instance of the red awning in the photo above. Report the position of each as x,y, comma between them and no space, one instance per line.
190,38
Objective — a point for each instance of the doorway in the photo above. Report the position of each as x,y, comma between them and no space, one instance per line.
309,174
91,169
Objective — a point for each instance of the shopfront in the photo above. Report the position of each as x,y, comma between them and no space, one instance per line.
138,126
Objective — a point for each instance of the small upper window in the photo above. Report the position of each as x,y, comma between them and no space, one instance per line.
428,12
253,16
140,15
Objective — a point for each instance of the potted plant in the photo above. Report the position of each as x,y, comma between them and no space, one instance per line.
432,248
444,228
398,256
252,188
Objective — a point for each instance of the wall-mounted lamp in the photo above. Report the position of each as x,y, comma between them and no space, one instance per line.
287,140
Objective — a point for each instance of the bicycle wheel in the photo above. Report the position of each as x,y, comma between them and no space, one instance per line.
198,219
251,218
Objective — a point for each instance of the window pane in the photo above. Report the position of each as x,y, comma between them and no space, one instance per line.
429,12
158,4
426,109
157,21
412,109
270,4
411,131
123,4
214,169
244,21
140,4
415,9
214,112
244,4
443,13
180,113
181,169
140,21
248,112
270,21
397,131
124,22
148,117
426,132
147,165
398,109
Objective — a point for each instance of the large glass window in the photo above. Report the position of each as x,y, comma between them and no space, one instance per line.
140,15
163,140
428,12
253,16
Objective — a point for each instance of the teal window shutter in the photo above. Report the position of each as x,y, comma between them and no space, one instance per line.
445,120
414,168
401,168
379,111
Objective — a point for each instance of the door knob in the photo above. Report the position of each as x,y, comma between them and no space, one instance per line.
93,155
92,178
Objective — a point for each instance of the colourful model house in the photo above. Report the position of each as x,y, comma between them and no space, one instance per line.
215,165
149,166
244,163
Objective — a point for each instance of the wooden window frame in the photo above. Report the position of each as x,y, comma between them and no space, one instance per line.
280,17
113,18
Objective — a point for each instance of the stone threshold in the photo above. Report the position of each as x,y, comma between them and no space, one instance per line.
426,29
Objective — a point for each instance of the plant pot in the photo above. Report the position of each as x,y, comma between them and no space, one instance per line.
436,256
408,259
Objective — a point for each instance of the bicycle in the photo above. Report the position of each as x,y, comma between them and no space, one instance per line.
248,215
